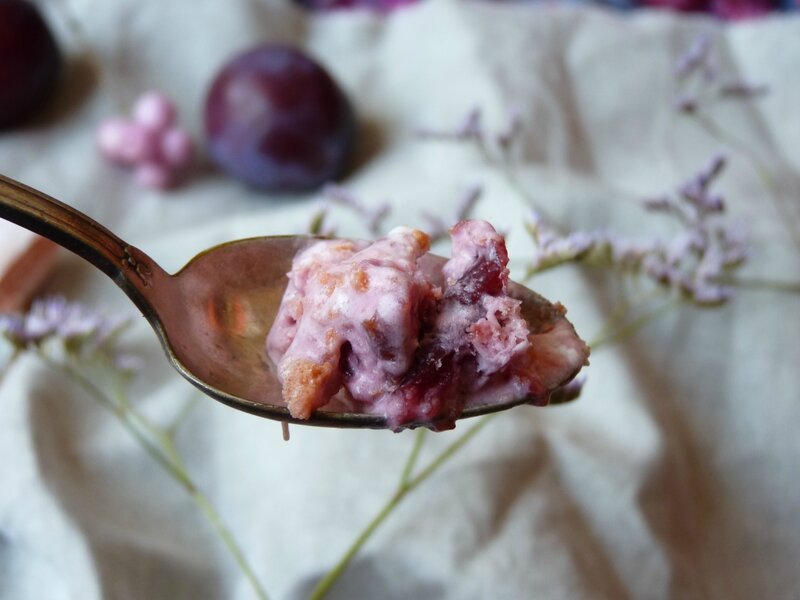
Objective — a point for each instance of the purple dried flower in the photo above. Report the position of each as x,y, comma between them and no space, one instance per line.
512,130
438,227
471,129
743,89
373,216
12,327
553,248
693,261
658,269
128,363
57,318
734,241
659,204
696,193
687,103
706,294
628,255
699,59
695,57
467,202
703,287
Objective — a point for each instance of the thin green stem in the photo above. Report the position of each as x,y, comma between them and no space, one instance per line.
124,416
325,584
227,537
406,485
725,138
168,458
508,171
763,172
632,326
10,362
448,452
758,283
419,440
182,415
620,313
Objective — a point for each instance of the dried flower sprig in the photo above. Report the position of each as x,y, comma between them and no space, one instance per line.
375,217
87,339
438,227
697,67
471,129
692,262
496,148
82,332
409,481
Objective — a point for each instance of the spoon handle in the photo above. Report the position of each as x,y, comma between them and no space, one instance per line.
128,266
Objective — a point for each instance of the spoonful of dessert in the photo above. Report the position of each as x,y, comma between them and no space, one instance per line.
337,333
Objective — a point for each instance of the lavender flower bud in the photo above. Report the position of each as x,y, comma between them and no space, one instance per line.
55,317
511,131
735,242
469,128
686,104
660,204
373,216
743,89
697,54
706,294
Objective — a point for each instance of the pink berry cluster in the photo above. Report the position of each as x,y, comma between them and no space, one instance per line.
150,142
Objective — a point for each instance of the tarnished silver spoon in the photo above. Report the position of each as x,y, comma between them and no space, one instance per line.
212,317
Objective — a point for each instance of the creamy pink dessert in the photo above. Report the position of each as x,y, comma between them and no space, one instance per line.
399,339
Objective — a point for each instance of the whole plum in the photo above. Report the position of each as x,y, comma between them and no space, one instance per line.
277,120
30,61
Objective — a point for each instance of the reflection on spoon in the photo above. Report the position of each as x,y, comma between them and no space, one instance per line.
212,317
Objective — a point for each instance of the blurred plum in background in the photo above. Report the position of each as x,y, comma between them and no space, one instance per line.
378,5
30,62
276,120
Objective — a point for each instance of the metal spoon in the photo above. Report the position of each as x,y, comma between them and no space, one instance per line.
212,317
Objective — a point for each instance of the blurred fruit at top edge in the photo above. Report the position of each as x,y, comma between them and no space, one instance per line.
738,10
678,5
377,5
30,62
276,120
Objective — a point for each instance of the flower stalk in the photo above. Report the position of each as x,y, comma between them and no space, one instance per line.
408,482
84,338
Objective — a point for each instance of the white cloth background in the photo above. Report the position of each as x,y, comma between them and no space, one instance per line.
676,474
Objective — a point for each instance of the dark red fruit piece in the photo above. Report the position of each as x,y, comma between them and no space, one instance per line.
487,275
483,278
276,120
30,61
429,390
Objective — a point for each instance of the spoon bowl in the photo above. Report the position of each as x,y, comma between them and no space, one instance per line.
212,317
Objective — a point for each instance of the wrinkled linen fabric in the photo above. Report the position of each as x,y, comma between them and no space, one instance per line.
674,476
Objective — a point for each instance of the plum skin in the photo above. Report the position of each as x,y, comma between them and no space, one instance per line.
276,120
30,62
